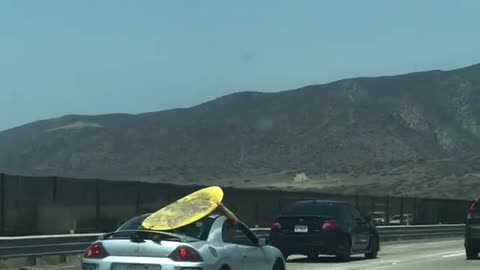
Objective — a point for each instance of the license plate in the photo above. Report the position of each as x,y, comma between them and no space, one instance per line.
301,229
121,266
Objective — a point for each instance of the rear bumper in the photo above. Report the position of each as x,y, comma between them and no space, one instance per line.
294,243
472,231
120,263
472,235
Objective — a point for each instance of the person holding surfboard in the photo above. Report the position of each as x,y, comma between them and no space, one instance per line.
233,220
229,214
190,212
199,229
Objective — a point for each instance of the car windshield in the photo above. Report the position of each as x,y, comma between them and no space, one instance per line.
198,230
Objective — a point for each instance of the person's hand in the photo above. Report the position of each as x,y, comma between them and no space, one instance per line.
220,204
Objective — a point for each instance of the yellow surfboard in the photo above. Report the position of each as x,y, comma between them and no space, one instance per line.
186,210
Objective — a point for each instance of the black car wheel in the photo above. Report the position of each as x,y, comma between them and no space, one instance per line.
374,247
471,253
346,251
278,265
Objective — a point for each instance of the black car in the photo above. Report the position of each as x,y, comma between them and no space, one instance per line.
316,227
472,231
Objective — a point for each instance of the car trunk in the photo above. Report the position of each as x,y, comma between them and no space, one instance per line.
143,244
122,247
301,223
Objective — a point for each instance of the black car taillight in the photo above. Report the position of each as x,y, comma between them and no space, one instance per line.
276,226
185,254
96,251
472,210
330,225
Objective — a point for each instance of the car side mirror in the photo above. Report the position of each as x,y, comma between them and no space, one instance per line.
262,241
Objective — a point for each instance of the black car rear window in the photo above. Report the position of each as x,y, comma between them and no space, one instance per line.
314,209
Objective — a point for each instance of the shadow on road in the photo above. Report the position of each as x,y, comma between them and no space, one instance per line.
323,259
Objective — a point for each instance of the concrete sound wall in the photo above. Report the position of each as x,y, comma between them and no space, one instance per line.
47,205
23,196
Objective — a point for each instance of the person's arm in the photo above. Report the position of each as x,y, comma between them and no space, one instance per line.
231,219
230,215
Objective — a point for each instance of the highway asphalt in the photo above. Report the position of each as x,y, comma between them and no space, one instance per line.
423,255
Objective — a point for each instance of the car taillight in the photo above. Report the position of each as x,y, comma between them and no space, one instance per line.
472,209
276,226
473,206
329,225
185,254
96,251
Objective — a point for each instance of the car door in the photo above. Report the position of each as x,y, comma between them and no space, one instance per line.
234,252
351,225
362,230
253,255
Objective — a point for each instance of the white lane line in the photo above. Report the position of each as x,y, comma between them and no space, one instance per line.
439,254
453,255
389,262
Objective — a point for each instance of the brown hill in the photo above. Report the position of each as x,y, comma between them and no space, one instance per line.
348,128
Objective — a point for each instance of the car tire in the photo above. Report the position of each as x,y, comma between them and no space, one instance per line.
285,255
374,247
225,267
471,253
344,254
278,265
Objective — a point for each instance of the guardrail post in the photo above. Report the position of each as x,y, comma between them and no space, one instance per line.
2,204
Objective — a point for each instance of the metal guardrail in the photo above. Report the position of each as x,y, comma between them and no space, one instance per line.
389,233
47,245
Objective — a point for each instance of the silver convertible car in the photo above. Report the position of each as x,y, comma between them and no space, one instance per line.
209,244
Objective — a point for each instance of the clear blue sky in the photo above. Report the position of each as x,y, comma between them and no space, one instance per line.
92,57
